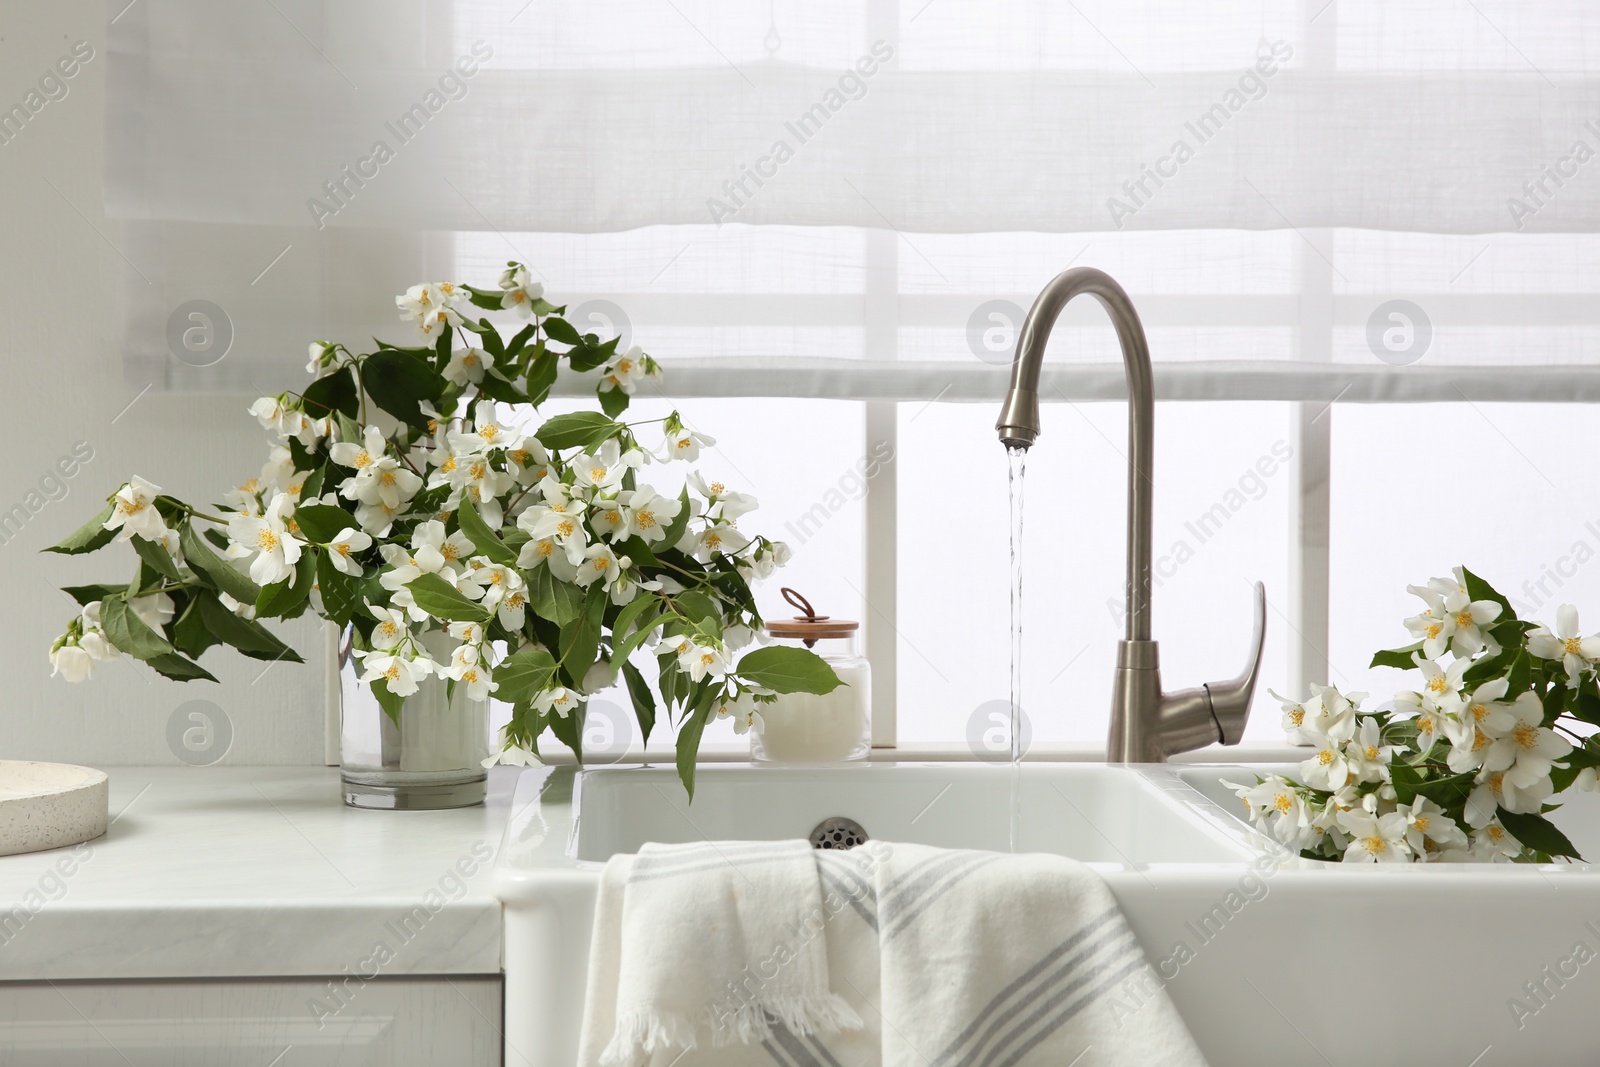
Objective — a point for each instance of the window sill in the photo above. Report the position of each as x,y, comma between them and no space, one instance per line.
957,752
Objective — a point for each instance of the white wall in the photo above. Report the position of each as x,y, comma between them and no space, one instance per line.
64,382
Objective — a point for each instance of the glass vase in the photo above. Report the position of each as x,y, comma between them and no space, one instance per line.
431,758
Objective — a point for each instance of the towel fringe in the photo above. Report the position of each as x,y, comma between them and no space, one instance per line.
641,1034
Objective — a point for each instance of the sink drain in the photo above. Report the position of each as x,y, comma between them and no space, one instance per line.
838,832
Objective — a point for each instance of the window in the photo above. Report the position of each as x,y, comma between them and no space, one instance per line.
1374,342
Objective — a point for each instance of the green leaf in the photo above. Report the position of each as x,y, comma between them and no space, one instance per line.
592,353
88,594
542,375
630,613
1588,702
280,598
1478,589
612,401
1490,667
578,429
689,747
524,673
179,669
568,729
1576,760
246,635
520,340
491,341
88,537
644,701
157,556
637,550
624,648
128,632
1520,678
1449,792
441,351
496,386
562,330
1538,833
390,703
332,394
672,682
1397,657
323,522
580,638
190,634
552,598
484,540
311,488
442,600
786,669
1405,778
223,574
399,382
341,593
674,533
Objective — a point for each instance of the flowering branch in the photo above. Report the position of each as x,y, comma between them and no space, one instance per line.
543,542
1462,768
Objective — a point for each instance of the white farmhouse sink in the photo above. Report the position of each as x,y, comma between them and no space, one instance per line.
1269,962
564,826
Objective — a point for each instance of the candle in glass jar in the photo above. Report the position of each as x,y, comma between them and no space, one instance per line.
819,727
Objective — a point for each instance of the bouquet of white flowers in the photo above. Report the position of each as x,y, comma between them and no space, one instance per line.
1462,769
401,498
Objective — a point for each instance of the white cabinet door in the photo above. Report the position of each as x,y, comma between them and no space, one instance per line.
296,1022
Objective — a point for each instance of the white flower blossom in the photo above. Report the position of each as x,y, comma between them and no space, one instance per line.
267,538
391,629
1441,686
401,673
557,699
1527,750
467,366
520,290
1494,843
685,444
133,511
624,372
431,307
1567,644
698,660
1374,838
649,513
600,563
342,550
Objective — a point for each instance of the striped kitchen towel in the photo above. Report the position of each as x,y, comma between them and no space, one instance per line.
998,960
739,953
712,948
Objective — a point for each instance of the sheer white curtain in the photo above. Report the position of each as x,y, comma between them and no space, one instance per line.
714,162
1315,205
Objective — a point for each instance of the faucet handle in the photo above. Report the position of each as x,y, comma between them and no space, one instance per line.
1230,700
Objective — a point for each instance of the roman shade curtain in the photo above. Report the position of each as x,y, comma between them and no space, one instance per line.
713,169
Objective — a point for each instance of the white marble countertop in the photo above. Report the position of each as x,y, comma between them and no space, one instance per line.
257,871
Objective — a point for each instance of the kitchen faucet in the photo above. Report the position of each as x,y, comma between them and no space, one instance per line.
1147,725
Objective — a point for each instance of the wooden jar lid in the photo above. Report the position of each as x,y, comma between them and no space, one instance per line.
810,626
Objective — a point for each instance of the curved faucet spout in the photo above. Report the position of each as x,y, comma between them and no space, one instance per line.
1147,724
1019,417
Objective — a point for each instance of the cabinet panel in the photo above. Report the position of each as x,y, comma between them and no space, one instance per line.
342,1022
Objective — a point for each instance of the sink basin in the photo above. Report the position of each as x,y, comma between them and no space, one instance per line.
1101,815
49,805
